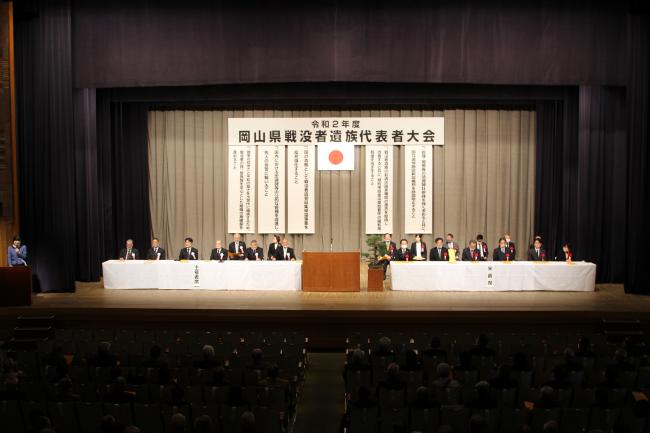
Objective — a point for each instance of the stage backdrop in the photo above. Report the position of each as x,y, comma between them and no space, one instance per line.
483,179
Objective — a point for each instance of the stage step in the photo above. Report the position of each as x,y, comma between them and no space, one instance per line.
35,321
37,332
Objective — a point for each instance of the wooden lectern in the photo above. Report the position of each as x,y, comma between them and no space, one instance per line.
15,286
331,272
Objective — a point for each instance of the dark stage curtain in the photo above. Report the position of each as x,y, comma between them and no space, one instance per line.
46,157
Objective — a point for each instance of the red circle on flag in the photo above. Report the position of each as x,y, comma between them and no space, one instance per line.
336,157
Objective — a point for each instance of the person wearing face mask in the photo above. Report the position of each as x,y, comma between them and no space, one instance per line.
285,252
419,248
403,253
510,245
188,252
439,252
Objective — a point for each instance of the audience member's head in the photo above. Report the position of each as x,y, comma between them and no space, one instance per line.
248,421
385,345
443,370
551,427
203,424
477,424
177,424
208,352
108,424
131,429
392,372
358,357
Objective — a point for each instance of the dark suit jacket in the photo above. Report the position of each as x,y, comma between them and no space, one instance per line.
216,255
400,256
391,248
513,248
533,257
183,255
242,249
467,255
151,254
279,254
486,252
443,257
272,250
250,253
499,256
423,246
130,257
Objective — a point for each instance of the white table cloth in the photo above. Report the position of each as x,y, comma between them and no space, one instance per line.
493,276
229,275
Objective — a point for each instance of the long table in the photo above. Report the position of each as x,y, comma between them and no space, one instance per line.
198,274
493,276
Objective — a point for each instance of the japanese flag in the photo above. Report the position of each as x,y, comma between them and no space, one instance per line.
336,156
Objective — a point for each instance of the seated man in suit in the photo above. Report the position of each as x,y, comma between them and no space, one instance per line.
218,252
566,254
285,253
482,248
274,247
439,252
537,253
502,253
129,253
155,252
254,252
471,254
237,248
403,253
17,253
188,252
451,243
418,248
510,245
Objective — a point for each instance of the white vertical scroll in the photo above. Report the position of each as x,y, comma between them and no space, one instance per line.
241,189
418,188
379,189
301,167
270,189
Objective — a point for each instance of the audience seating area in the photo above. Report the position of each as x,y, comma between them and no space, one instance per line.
87,381
506,383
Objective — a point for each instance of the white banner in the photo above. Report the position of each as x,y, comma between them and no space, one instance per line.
356,130
301,167
270,189
418,189
241,189
379,189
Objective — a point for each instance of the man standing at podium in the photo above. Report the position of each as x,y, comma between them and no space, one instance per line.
254,253
285,253
188,252
237,248
129,253
17,253
155,252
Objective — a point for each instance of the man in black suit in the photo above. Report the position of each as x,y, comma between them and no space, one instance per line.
254,253
403,253
156,252
237,248
537,253
482,248
188,252
274,247
439,253
502,253
285,253
218,252
471,254
511,246
129,253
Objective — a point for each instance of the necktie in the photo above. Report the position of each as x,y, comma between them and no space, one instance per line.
439,253
537,252
128,254
503,250
188,253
